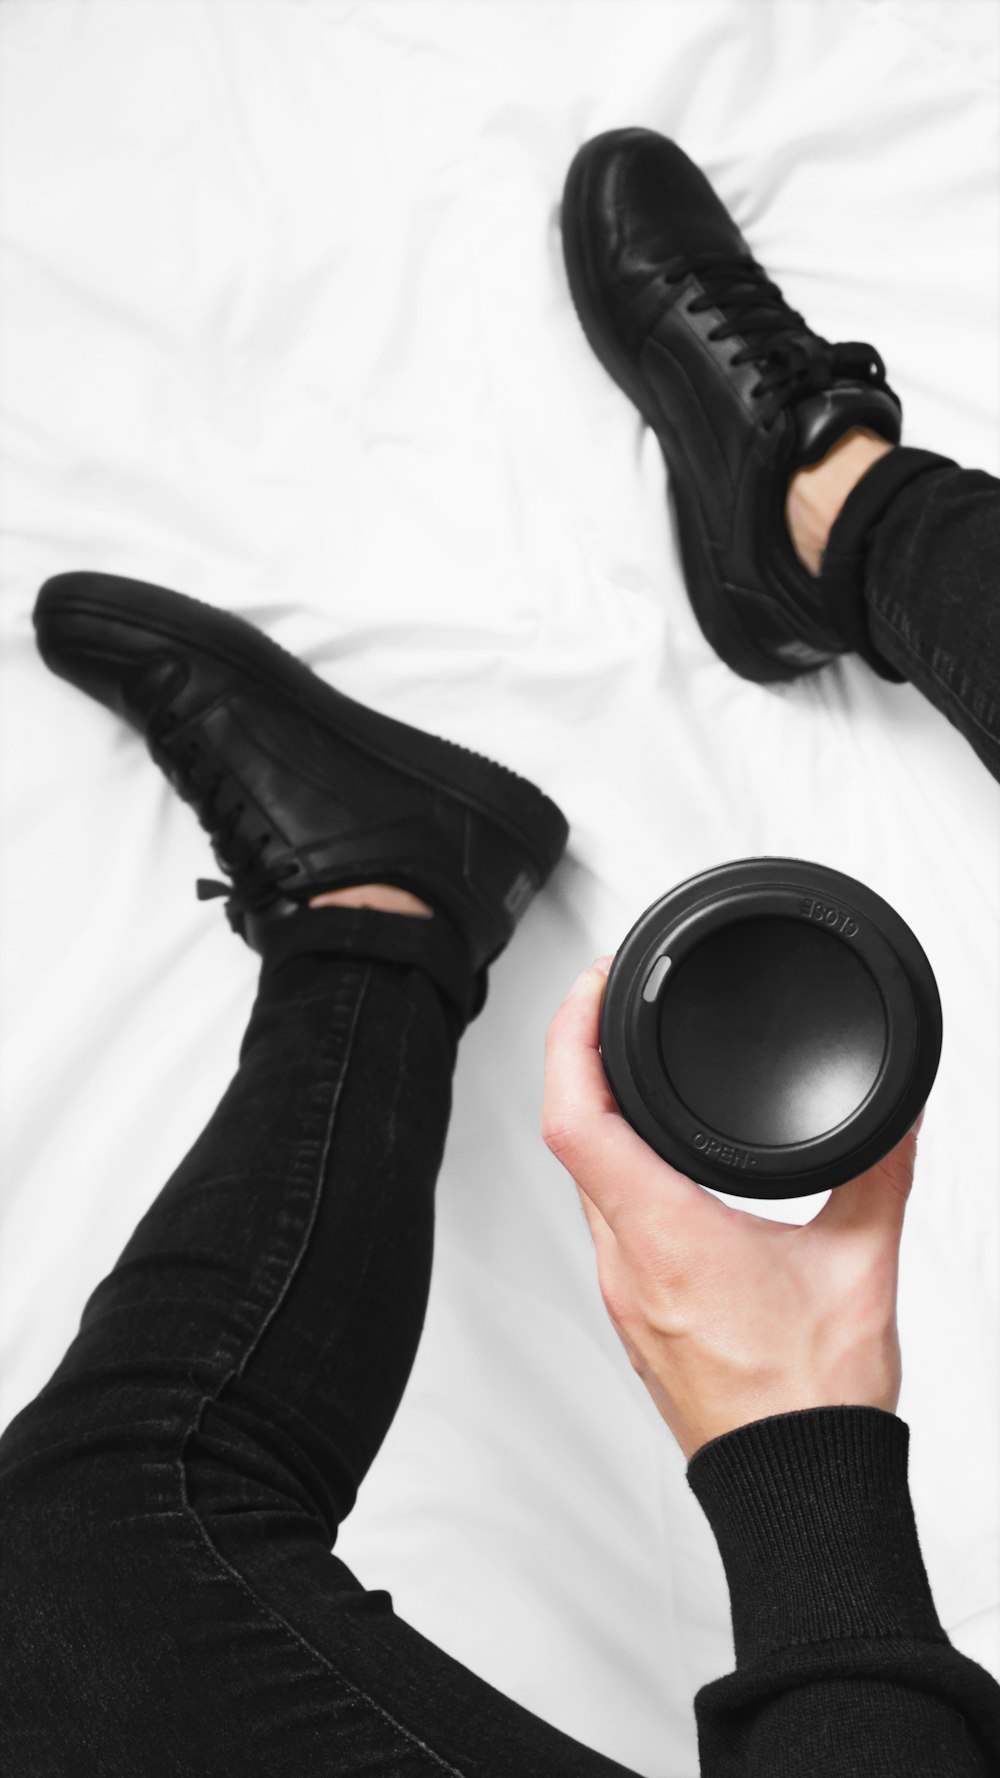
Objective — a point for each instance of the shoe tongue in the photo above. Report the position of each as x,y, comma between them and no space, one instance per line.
825,415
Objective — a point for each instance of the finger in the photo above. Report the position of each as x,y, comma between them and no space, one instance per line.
876,1200
582,1090
599,1229
584,1129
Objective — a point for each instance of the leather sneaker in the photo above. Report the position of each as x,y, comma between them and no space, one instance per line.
737,387
300,788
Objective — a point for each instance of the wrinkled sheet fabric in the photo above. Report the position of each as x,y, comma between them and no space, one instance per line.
285,326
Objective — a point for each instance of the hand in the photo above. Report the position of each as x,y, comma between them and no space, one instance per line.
726,1317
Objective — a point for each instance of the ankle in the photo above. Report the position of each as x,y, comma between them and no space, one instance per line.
817,493
384,897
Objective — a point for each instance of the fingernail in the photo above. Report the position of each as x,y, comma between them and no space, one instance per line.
600,966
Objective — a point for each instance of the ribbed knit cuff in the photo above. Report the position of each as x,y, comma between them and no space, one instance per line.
812,1515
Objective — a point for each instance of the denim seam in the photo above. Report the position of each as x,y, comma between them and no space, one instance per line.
932,672
269,1611
399,1081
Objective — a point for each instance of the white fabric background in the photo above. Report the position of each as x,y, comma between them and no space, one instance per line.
286,327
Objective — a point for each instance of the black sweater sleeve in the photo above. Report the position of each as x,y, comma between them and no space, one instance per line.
842,1667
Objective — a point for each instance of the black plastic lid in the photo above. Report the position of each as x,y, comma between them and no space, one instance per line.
771,1027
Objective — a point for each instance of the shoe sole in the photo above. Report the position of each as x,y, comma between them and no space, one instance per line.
711,600
492,790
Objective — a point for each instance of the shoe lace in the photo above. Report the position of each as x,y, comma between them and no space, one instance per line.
794,361
240,855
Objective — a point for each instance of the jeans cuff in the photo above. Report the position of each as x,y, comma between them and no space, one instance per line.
435,946
842,568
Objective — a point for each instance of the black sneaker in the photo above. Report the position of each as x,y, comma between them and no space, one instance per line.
300,788
738,389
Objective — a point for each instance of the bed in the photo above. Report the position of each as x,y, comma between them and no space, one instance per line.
285,326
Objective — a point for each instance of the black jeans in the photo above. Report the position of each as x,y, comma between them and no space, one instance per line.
170,1499
914,561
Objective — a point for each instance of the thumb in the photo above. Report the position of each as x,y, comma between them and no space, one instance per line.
877,1198
583,1127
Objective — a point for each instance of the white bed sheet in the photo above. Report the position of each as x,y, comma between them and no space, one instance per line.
286,327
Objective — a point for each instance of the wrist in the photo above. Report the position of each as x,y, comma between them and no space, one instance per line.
812,1515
